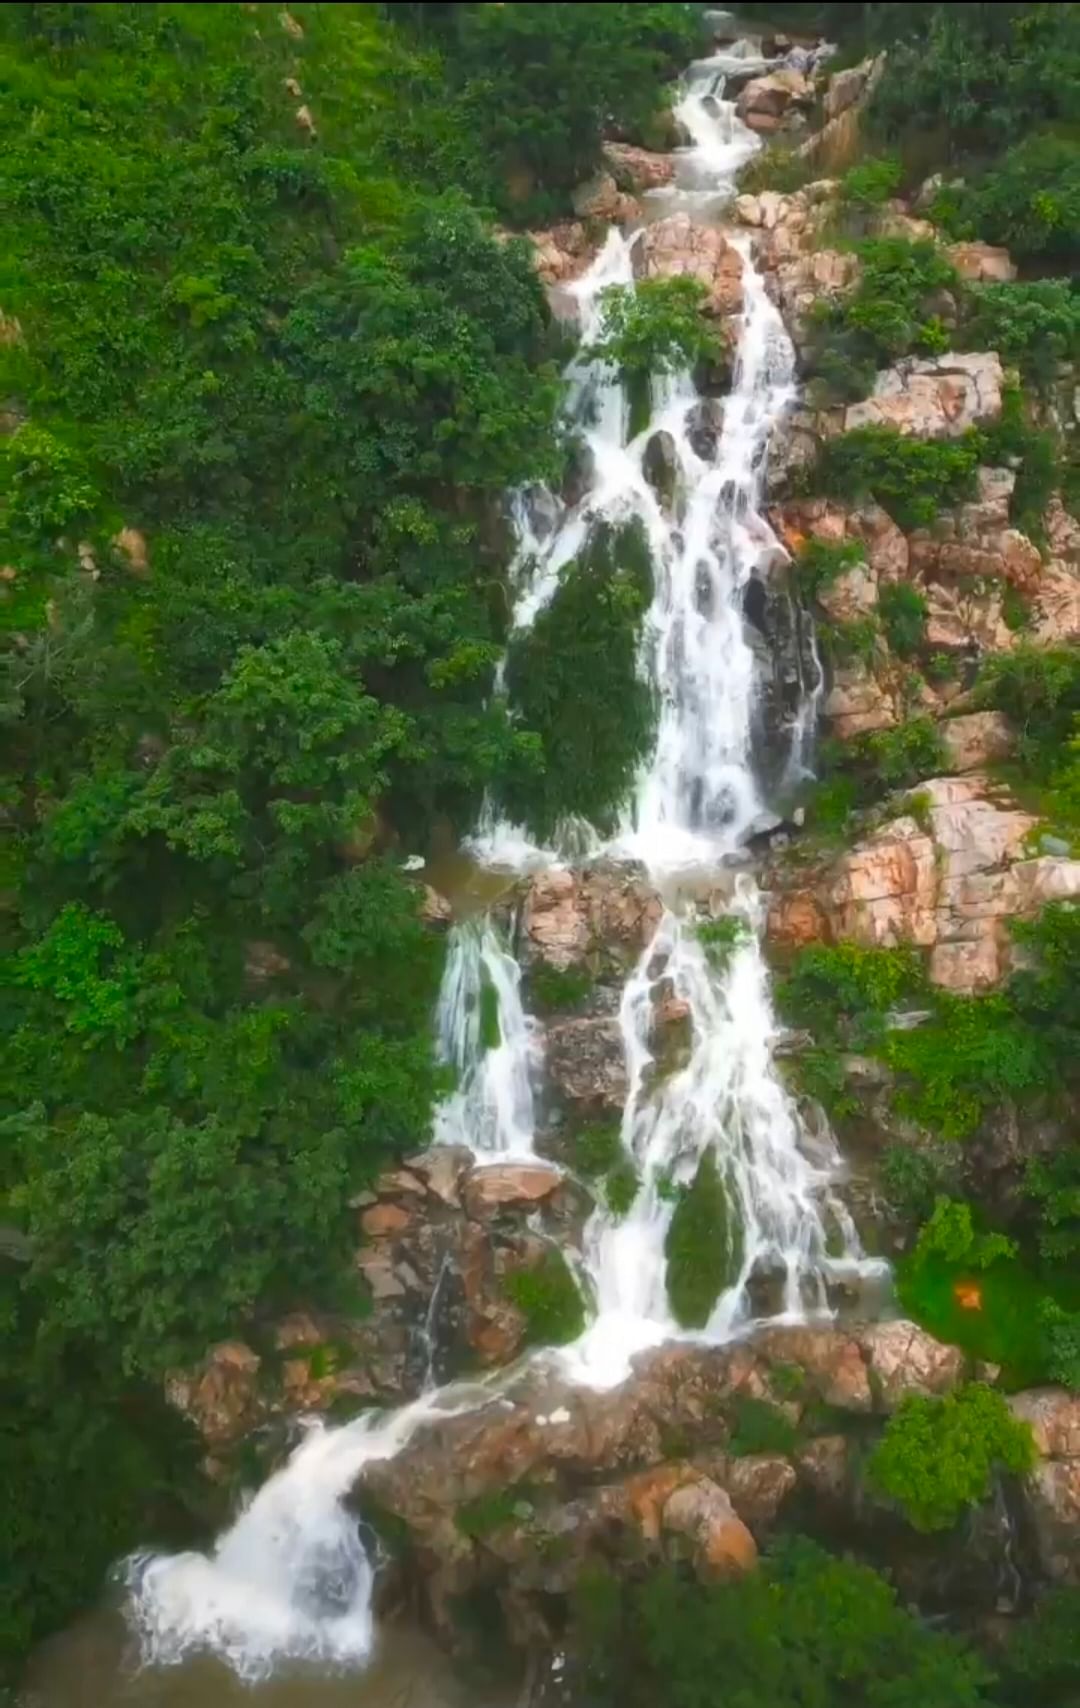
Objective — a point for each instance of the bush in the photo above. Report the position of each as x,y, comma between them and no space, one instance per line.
1042,1661
891,312
554,990
939,1456
872,182
704,1245
970,1057
1029,201
653,328
910,478
574,685
805,1628
550,1299
758,1427
820,562
842,993
1034,326
903,611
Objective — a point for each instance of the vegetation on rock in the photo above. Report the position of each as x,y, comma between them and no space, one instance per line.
550,1300
703,1246
939,1456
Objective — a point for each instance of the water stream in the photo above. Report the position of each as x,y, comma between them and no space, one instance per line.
292,1577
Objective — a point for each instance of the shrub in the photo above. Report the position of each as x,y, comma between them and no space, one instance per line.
1029,200
910,478
721,937
621,1187
903,611
819,562
912,1180
573,683
890,313
1042,1661
1034,326
704,1245
951,1235
872,182
842,992
487,1513
897,758
653,328
550,1299
972,1055
939,1456
805,1628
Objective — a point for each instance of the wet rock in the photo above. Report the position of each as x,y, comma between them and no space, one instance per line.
704,424
764,101
1054,1417
384,1219
600,198
435,910
933,398
598,919
580,474
678,248
845,87
903,1359
660,466
824,1467
221,1395
561,252
587,1066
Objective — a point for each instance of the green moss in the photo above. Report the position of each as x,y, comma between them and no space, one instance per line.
490,1029
703,1247
554,990
495,1511
550,1300
759,1427
597,1148
621,1186
937,1457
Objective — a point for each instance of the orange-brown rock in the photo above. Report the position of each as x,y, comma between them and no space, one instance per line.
639,169
498,1184
724,1547
934,397
384,1219
677,247
600,918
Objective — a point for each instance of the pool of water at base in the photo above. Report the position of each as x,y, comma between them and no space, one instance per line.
92,1665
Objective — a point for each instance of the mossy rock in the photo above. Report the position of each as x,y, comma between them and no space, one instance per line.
704,1246
549,1299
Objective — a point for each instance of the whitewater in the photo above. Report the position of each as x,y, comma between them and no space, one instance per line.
293,1577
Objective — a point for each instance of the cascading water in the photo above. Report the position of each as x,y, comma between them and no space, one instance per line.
485,1036
291,1577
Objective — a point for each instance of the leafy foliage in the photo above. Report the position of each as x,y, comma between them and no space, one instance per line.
939,1456
720,938
892,312
806,1628
573,680
1033,325
910,478
903,610
703,1246
656,328
820,562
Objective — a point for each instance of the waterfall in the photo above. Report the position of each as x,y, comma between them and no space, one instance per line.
291,1578
485,1036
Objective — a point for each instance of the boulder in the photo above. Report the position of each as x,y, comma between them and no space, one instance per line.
586,1065
723,1546
660,466
976,739
221,1395
845,87
598,919
982,263
600,198
937,397
763,101
562,252
638,169
677,247
903,1359
498,1184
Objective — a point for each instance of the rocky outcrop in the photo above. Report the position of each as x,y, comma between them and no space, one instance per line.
562,252
1052,1487
937,397
982,263
598,919
765,102
517,1494
600,198
948,881
438,1238
586,1066
679,248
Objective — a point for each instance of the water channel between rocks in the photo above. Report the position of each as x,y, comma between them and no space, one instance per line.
292,1579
